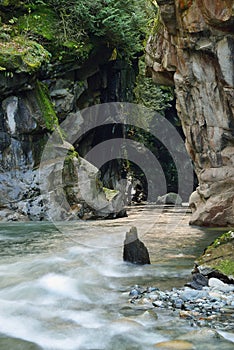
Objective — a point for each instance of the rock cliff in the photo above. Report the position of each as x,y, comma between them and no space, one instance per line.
39,91
192,49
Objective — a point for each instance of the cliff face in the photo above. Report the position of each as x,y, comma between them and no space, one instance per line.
32,104
193,50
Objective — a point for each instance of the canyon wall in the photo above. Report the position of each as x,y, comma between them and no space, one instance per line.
32,105
192,49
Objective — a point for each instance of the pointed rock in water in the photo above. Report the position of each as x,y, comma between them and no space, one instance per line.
134,250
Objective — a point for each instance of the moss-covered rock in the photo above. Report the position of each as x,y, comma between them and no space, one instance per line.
219,257
46,106
110,194
41,21
22,55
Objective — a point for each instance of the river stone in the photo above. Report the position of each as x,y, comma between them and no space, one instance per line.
134,250
190,294
216,284
200,335
175,344
199,281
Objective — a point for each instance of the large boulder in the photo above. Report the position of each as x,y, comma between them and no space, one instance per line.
134,250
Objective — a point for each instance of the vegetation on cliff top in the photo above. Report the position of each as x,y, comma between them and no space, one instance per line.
35,31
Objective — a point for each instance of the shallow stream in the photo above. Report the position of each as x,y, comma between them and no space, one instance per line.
65,287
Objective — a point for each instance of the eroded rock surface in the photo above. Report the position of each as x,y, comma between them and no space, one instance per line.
193,51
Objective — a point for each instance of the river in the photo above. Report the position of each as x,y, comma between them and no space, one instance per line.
65,286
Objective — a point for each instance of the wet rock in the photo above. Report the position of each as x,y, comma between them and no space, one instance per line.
175,344
203,308
17,344
136,292
134,250
200,335
199,281
190,294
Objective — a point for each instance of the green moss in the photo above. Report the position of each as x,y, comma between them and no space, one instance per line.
226,267
10,2
46,106
72,153
42,21
219,255
110,194
22,55
225,238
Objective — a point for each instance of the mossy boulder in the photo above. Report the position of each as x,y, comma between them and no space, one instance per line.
218,259
22,55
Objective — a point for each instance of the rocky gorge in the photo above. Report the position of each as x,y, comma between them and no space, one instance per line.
192,49
39,91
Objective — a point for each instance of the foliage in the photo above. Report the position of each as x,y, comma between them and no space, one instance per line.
71,29
155,97
226,267
39,22
120,24
226,237
22,55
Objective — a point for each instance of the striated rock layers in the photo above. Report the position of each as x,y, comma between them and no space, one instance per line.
192,49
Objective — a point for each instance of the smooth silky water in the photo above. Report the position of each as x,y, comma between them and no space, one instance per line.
65,287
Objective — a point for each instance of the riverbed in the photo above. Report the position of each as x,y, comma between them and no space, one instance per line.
64,286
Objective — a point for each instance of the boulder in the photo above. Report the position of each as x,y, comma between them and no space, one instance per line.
134,250
170,198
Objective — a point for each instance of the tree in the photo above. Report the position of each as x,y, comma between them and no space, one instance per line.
120,24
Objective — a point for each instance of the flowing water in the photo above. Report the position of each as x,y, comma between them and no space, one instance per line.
65,287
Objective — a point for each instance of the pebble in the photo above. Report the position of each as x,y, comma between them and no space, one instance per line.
212,306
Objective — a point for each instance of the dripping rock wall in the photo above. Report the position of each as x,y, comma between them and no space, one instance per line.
193,49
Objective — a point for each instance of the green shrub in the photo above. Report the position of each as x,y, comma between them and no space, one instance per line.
120,24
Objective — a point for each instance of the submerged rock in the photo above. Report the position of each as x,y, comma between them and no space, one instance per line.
134,250
175,344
